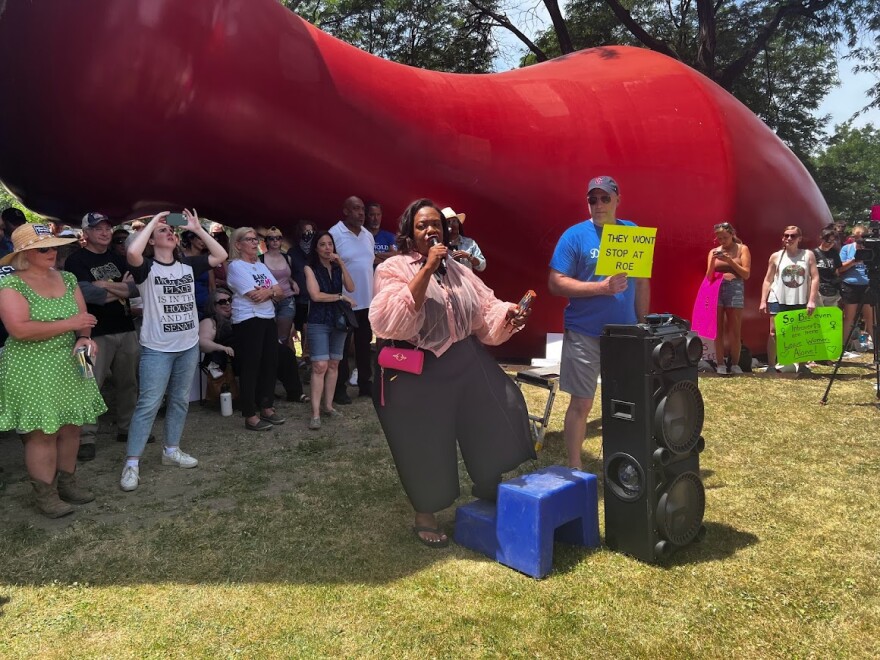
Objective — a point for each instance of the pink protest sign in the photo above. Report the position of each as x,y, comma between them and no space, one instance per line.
875,213
704,320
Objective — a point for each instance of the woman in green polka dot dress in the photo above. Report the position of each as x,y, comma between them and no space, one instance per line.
43,396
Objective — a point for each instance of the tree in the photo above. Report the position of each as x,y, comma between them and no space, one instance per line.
847,172
431,34
7,200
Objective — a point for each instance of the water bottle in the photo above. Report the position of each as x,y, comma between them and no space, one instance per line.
863,341
225,401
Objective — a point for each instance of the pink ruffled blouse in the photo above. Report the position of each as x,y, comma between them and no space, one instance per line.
462,306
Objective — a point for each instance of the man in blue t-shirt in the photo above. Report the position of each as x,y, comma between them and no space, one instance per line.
594,300
385,241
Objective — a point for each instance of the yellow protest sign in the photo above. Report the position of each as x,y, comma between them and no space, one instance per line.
627,250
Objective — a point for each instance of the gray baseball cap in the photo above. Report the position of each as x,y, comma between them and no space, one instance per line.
605,183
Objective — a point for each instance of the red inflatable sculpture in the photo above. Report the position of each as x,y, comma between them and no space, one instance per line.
251,115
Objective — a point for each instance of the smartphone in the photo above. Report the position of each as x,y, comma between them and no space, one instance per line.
175,219
525,302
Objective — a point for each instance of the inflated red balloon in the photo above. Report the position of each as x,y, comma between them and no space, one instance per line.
251,115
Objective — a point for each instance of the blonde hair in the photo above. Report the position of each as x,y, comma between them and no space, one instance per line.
20,261
237,235
794,228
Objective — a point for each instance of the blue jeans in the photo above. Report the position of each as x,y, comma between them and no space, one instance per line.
161,372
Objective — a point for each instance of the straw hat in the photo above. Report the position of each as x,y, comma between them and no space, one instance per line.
29,237
449,214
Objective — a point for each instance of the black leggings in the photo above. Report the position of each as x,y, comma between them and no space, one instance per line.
463,395
256,353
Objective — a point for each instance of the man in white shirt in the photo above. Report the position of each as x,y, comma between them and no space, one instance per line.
355,245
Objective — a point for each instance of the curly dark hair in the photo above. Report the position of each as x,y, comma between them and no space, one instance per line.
405,233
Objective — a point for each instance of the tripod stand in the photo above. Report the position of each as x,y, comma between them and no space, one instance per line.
874,288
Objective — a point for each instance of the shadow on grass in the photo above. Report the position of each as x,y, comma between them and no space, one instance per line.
3,601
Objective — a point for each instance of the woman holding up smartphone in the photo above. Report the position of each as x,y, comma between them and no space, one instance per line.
169,335
461,396
733,261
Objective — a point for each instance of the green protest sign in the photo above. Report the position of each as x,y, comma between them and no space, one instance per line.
801,337
626,249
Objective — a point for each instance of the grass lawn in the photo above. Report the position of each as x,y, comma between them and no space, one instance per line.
297,544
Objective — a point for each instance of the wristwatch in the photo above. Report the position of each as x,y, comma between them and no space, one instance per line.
340,296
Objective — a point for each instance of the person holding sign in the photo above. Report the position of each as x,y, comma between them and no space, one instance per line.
594,301
791,283
733,261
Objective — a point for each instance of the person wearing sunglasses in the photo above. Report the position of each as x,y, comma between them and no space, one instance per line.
733,261
43,395
99,265
594,301
791,283
854,289
255,291
117,242
281,267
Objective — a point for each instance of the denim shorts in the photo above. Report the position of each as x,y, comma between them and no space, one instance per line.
732,294
773,308
284,308
325,342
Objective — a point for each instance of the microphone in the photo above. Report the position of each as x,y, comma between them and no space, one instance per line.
442,267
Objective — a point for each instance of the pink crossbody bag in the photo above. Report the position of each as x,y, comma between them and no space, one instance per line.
393,357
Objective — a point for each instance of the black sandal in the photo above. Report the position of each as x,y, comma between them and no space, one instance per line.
439,543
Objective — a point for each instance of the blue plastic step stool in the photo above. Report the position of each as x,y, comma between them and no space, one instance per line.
555,503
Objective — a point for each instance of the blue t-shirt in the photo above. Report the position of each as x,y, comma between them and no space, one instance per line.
576,256
857,274
384,240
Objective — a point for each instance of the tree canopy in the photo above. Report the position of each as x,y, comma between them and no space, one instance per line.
440,35
847,171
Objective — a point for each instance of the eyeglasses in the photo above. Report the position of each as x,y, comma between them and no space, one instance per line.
44,250
273,238
250,239
223,301
605,199
790,236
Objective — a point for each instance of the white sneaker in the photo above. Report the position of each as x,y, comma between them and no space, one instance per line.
722,369
353,381
130,478
178,458
850,355
735,369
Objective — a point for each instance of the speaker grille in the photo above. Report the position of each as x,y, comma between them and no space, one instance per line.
681,508
678,418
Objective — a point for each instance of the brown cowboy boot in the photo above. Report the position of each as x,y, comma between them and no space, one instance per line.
48,502
70,491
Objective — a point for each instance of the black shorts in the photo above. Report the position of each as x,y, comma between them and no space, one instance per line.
853,294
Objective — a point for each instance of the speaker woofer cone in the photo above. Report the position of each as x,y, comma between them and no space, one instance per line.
681,508
678,418
625,477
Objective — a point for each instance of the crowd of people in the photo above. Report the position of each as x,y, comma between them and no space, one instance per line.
146,303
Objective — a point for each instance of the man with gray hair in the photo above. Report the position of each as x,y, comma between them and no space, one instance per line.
594,301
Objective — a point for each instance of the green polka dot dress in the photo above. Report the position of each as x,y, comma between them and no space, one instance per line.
40,384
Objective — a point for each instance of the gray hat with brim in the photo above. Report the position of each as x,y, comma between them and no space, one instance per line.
605,183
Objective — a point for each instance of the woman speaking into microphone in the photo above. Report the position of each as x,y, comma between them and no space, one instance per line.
460,395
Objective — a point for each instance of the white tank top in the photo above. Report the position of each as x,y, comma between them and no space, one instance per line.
792,283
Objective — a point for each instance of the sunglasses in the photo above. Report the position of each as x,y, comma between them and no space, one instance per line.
44,250
223,301
722,225
791,236
118,241
273,238
593,200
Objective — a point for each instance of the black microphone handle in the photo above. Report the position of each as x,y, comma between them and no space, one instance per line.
442,267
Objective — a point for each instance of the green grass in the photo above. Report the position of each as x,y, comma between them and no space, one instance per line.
298,545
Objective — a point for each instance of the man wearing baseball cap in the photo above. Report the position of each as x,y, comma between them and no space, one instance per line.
118,348
594,301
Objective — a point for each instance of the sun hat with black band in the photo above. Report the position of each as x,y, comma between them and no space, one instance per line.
31,237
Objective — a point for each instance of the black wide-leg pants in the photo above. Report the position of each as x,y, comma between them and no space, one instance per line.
465,397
